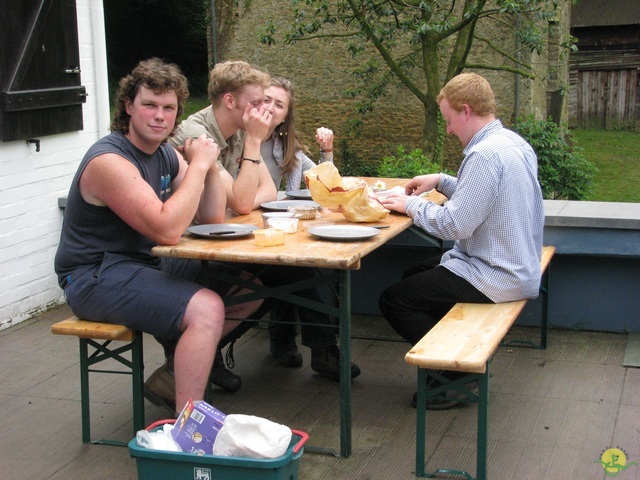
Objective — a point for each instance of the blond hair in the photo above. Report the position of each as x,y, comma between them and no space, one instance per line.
472,90
232,76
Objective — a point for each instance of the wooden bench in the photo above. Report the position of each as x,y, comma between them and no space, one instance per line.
465,340
99,337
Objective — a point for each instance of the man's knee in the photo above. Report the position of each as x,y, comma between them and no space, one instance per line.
387,301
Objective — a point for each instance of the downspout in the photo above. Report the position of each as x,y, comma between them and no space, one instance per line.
214,32
96,12
516,103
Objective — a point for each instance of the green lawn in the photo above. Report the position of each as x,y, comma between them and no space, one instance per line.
194,104
617,156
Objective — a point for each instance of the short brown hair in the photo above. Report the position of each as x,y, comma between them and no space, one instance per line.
155,75
469,89
232,76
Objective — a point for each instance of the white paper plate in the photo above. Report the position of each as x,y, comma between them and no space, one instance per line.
385,193
299,194
282,205
343,233
222,231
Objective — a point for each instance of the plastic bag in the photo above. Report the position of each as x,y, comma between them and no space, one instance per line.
348,195
158,440
253,437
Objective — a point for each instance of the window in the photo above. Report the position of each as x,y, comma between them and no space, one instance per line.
39,69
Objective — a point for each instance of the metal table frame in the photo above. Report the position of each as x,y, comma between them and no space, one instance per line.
334,277
303,251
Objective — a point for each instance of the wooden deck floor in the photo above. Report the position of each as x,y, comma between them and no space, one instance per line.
552,413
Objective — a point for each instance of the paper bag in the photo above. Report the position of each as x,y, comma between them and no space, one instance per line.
348,195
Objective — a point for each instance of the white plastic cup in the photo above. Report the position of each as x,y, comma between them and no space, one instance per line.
266,216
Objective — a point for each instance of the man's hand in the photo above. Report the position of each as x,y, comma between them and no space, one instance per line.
256,121
395,202
423,183
201,151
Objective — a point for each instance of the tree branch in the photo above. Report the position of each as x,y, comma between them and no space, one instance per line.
395,68
504,68
503,52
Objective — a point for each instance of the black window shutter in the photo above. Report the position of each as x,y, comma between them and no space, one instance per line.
40,85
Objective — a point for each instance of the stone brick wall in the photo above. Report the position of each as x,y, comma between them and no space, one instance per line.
319,70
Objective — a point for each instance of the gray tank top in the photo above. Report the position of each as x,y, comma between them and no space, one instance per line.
89,231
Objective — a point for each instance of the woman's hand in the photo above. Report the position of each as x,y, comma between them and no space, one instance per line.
324,137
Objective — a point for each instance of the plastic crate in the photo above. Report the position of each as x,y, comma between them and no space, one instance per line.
157,464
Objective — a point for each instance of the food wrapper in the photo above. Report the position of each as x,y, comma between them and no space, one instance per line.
348,195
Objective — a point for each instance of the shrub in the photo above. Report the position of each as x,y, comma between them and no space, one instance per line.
407,164
563,172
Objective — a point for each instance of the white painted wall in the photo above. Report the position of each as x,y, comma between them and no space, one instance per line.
31,183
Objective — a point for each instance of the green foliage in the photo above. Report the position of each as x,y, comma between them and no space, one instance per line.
350,165
563,172
407,164
420,44
195,104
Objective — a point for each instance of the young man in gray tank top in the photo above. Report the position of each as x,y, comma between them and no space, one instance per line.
131,192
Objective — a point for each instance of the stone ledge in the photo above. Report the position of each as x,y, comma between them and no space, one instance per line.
614,215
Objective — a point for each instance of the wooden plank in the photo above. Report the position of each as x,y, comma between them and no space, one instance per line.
469,334
88,329
547,254
466,337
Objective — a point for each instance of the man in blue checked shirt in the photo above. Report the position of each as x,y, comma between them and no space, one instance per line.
495,215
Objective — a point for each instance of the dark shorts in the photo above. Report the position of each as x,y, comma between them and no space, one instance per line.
143,297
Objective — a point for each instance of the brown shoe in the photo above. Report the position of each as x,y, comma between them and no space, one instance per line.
160,389
287,355
326,362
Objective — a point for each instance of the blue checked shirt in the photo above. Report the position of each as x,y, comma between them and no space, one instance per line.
495,214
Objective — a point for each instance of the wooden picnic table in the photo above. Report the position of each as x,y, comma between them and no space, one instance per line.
301,249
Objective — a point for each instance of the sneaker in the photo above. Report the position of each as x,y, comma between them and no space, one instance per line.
437,402
326,362
287,355
222,377
450,398
160,389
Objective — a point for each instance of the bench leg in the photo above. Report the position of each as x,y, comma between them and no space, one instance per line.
421,417
483,425
137,379
482,433
135,369
85,406
544,291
